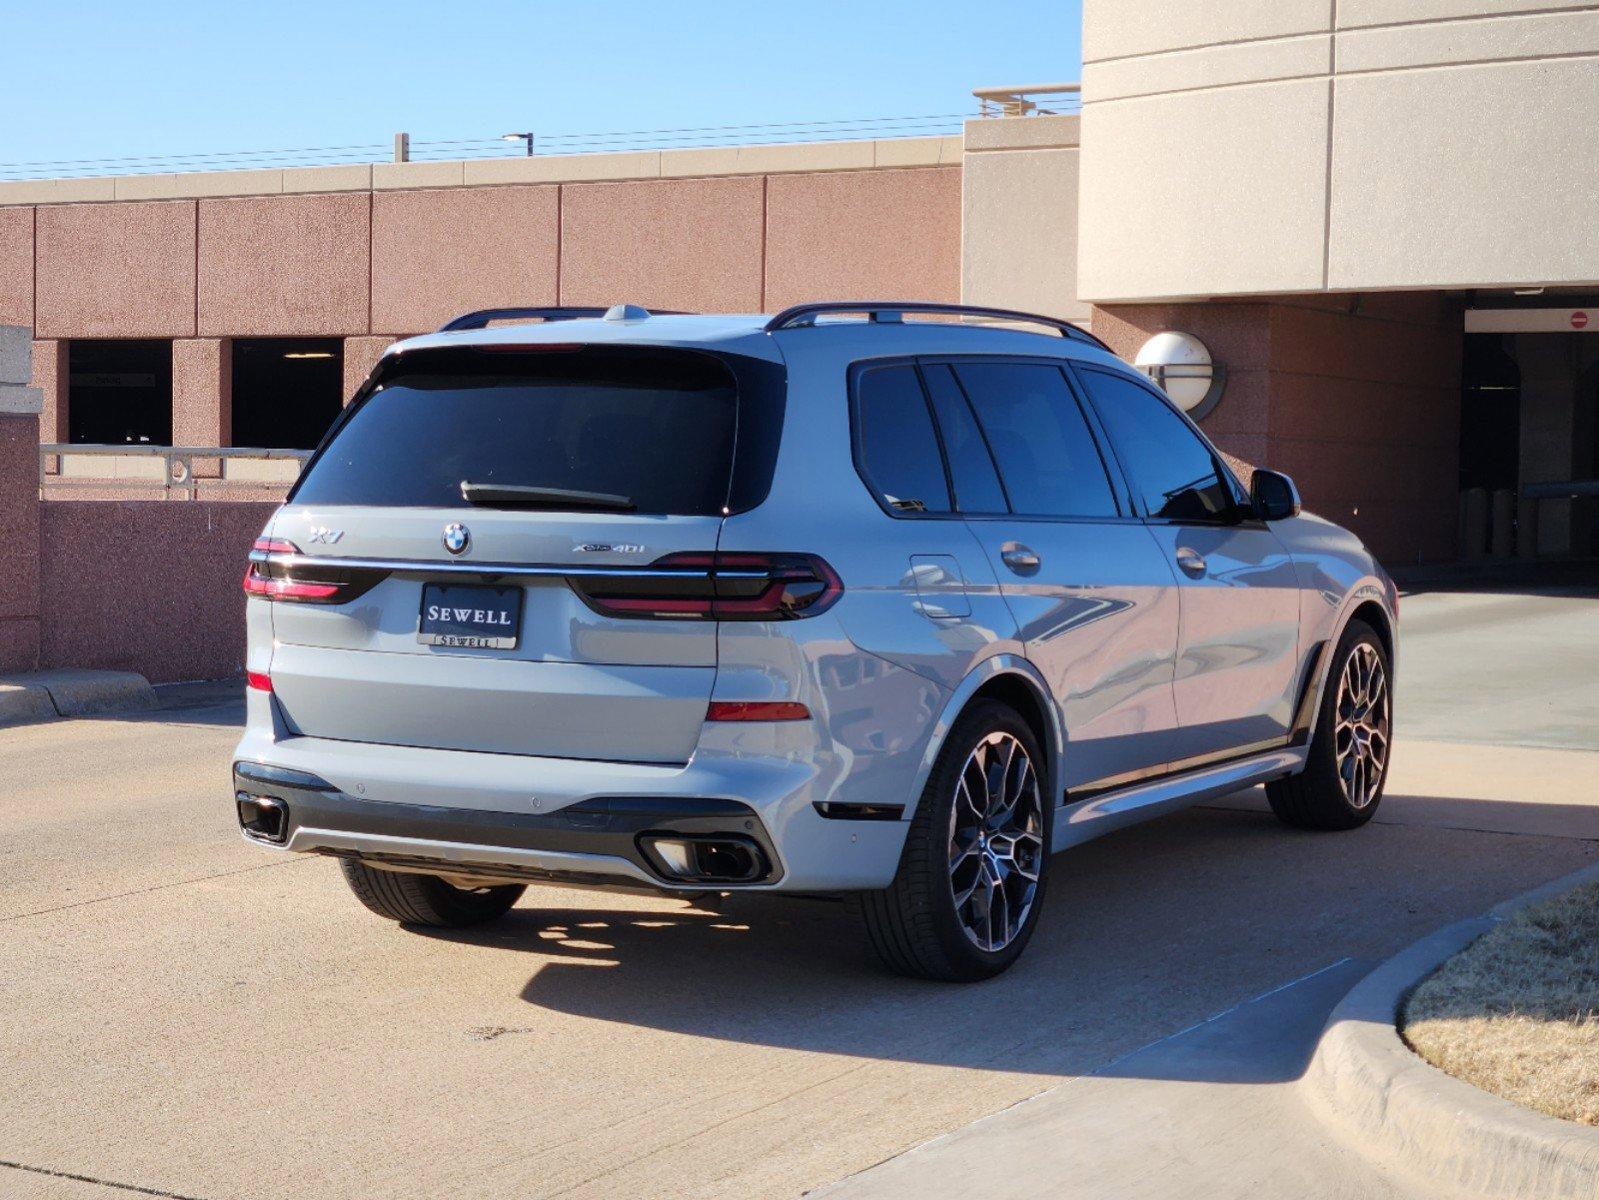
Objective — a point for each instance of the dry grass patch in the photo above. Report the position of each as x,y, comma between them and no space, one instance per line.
1517,1012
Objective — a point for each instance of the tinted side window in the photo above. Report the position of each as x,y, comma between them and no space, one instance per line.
971,469
1046,454
1171,468
898,448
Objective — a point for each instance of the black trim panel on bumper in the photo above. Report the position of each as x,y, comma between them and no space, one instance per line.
609,826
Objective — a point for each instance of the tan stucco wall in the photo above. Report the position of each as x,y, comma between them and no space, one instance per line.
1019,215
1260,146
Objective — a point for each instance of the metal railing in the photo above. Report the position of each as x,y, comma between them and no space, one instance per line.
174,471
1025,99
408,149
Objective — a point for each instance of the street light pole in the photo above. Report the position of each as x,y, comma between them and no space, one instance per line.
526,138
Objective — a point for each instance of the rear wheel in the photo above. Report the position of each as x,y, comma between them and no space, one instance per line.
971,879
426,899
1344,774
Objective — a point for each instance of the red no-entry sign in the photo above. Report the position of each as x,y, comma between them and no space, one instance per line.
1579,320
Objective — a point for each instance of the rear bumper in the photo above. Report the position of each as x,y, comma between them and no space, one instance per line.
564,821
598,842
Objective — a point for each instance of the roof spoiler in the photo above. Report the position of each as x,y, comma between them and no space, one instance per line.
483,317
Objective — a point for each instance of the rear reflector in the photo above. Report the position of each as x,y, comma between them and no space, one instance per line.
757,710
258,680
717,586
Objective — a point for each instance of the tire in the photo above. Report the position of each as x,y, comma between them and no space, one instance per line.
1351,746
916,925
426,899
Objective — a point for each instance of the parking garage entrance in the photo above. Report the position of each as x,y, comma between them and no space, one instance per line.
1529,434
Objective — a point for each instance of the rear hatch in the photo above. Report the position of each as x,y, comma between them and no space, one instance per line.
487,528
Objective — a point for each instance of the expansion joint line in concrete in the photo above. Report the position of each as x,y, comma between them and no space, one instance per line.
106,1183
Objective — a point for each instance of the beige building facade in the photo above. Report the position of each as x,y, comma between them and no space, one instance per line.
1343,194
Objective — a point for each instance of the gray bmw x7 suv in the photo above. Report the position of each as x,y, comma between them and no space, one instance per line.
844,601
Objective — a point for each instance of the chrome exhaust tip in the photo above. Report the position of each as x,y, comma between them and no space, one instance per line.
265,818
705,858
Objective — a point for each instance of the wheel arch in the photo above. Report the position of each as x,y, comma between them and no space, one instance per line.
1016,682
1363,607
1375,615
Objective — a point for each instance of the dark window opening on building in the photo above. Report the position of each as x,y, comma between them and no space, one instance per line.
286,391
119,392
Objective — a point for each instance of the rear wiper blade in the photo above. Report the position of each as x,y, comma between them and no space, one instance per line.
516,495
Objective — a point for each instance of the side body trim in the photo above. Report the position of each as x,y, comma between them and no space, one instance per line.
1109,811
1171,770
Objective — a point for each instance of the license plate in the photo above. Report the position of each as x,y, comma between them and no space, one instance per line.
479,618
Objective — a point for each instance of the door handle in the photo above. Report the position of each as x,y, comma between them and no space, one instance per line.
1019,558
1191,561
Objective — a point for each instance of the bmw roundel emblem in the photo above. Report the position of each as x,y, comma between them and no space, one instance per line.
457,538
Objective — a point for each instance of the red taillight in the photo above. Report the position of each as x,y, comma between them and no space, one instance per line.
717,586
259,680
257,584
317,584
757,710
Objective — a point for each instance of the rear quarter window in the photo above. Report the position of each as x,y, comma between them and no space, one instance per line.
661,427
896,445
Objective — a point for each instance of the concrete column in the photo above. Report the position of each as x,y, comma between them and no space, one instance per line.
202,392
202,397
50,377
361,354
1548,365
1019,215
19,504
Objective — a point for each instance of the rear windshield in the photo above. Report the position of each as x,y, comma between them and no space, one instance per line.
658,427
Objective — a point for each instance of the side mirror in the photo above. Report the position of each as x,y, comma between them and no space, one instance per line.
1274,496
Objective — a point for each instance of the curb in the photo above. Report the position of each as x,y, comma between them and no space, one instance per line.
46,695
1399,1109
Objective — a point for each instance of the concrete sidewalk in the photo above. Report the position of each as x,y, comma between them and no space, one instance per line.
1214,1110
1210,1112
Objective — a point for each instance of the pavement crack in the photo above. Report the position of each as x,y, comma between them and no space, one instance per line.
155,887
487,1033
109,1183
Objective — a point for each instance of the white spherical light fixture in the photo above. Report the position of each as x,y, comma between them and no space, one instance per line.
1180,365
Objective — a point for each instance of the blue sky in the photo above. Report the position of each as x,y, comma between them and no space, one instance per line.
99,80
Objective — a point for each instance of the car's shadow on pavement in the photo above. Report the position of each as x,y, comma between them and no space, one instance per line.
1171,922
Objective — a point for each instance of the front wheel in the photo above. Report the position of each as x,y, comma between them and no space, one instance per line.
426,899
970,884
1347,767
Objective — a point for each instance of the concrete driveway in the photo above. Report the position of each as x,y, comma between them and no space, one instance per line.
184,1015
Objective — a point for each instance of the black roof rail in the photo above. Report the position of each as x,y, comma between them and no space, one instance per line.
801,315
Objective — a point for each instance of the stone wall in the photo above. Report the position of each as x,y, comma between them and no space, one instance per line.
151,586
1357,397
